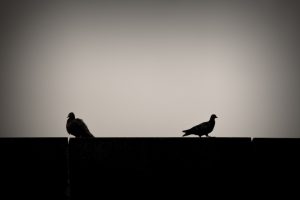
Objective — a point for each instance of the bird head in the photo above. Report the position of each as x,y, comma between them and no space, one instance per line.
213,116
71,115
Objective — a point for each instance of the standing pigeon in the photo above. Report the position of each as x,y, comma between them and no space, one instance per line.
202,129
77,127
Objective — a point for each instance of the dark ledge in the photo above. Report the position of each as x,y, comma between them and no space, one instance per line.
54,166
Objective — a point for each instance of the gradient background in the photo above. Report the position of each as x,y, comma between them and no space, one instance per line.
150,68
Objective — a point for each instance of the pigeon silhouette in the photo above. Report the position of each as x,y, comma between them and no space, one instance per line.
202,129
77,127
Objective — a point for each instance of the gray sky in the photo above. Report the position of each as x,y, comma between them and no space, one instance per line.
150,68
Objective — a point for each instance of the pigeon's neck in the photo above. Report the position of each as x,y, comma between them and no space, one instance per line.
212,122
70,119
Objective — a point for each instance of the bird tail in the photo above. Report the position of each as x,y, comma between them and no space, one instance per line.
185,133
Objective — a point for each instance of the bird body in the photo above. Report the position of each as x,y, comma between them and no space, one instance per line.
202,129
77,127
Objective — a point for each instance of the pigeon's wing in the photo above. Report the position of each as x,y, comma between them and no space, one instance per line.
203,126
83,128
196,129
199,127
192,129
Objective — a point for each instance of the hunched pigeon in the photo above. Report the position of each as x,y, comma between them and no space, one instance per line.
77,127
202,129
